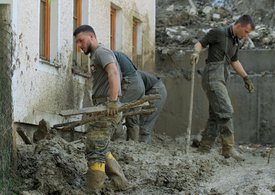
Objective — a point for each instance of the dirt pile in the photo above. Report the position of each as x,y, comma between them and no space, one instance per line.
55,166
52,166
179,27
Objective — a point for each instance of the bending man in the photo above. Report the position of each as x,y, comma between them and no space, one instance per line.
132,90
153,85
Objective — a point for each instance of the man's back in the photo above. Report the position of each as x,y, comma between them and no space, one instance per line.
126,65
149,80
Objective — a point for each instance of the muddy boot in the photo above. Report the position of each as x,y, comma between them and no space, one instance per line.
228,149
206,143
145,135
133,133
146,139
115,173
95,177
119,133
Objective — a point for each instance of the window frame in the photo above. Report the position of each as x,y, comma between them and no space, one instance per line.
44,52
134,40
80,61
113,16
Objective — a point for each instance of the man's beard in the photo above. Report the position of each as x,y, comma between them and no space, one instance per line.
89,49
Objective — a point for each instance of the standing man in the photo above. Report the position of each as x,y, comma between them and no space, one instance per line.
153,85
106,89
132,90
223,50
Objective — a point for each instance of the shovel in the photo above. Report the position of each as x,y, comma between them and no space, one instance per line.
190,108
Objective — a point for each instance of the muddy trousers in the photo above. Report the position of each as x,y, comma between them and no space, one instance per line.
220,116
214,128
97,142
147,122
220,121
132,89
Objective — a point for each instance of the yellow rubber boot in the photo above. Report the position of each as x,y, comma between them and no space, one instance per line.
115,173
228,149
95,176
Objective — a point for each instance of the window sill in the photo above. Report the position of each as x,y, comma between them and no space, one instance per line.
42,61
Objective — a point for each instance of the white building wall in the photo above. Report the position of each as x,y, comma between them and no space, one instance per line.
143,10
41,90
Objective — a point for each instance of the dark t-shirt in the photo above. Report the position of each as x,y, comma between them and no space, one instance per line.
216,40
126,65
149,80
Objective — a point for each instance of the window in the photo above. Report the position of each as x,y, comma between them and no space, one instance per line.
137,42
44,45
48,32
76,23
80,60
113,28
116,27
134,41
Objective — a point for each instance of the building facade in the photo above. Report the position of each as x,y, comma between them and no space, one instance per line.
48,71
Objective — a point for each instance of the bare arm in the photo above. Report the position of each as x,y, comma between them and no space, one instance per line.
237,66
198,47
114,81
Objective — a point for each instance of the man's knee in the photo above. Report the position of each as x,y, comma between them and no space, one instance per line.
226,126
97,143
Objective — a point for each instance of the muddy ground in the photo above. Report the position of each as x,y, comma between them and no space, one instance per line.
55,166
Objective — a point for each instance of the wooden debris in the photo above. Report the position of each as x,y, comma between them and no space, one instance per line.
70,125
95,113
141,112
102,108
41,132
24,136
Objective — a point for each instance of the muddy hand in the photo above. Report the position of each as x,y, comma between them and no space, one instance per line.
112,107
248,84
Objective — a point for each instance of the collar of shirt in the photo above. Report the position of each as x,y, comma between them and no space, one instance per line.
230,34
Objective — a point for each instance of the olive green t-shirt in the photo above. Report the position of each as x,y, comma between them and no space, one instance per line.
216,40
100,58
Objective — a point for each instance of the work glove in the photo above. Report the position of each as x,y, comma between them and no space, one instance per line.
112,107
248,84
195,58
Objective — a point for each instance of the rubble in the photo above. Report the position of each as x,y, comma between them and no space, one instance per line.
52,166
55,166
178,28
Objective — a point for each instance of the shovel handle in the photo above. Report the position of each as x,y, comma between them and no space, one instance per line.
191,107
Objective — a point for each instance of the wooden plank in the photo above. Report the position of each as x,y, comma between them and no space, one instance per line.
24,136
103,108
70,125
94,109
86,110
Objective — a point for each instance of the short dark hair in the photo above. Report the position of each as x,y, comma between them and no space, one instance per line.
84,28
245,20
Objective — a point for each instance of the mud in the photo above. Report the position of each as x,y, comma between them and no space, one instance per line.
55,166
